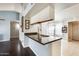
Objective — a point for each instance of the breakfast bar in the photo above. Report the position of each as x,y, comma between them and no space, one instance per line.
41,38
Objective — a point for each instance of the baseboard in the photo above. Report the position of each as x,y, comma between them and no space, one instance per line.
4,40
30,52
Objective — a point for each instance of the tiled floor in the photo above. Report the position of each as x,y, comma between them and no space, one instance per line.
56,48
70,48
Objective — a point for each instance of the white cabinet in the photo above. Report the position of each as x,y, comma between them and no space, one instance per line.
46,14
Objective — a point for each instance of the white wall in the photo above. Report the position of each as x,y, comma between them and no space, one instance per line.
68,15
58,29
33,28
5,30
5,24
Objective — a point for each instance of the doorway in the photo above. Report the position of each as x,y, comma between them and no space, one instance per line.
14,29
15,47
73,31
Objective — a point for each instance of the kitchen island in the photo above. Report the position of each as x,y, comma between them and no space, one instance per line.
42,39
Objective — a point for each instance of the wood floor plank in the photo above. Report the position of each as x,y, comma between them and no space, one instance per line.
14,48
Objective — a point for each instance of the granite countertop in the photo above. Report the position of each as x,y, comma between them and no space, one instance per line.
43,39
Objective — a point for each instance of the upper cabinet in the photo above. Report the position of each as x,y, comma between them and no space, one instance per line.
40,12
46,13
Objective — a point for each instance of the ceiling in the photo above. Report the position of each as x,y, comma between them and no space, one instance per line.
58,7
37,8
11,7
61,6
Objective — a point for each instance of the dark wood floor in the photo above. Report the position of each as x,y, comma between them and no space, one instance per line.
4,48
14,48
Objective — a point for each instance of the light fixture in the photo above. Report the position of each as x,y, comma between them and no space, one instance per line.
17,26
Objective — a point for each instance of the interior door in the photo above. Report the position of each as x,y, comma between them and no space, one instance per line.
75,29
14,30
